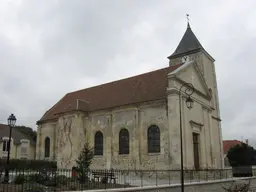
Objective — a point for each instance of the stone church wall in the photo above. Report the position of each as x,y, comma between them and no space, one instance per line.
136,121
45,130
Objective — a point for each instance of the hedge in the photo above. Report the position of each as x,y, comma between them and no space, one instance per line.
20,164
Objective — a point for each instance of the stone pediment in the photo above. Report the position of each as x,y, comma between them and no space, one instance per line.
189,72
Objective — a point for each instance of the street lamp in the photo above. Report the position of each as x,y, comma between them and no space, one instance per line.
11,123
189,90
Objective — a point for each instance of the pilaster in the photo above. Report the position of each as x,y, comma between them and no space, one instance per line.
210,138
136,141
174,129
204,139
109,143
185,132
39,142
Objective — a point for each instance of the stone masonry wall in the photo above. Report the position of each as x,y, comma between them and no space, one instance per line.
136,120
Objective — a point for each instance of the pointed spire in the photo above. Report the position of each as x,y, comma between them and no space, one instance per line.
188,44
188,25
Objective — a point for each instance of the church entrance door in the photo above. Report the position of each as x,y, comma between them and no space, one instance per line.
196,150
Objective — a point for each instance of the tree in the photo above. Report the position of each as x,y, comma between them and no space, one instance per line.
83,163
241,155
241,158
27,131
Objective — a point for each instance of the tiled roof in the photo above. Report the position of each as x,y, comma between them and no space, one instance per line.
228,144
16,135
141,88
188,43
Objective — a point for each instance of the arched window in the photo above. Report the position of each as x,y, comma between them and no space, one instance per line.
98,143
153,139
124,142
47,147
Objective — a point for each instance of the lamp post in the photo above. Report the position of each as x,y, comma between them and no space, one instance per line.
11,123
189,90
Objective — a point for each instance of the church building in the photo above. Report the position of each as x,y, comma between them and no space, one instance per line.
134,123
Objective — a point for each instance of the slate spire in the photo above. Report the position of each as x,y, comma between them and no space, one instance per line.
188,44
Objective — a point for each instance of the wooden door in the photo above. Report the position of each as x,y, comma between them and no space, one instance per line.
196,150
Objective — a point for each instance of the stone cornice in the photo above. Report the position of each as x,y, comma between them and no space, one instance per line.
40,122
216,118
194,123
174,91
133,107
196,126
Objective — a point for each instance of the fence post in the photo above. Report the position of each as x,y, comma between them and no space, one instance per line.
22,185
169,176
156,177
105,174
141,178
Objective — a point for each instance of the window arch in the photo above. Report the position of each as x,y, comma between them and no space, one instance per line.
98,143
124,142
153,139
47,144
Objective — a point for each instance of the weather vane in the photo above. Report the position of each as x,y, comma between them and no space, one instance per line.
187,17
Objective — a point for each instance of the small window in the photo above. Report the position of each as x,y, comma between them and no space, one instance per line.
98,143
24,150
5,145
124,142
153,139
47,147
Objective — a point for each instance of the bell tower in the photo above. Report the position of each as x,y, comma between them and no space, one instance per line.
189,48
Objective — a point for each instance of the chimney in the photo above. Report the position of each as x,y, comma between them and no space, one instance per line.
246,141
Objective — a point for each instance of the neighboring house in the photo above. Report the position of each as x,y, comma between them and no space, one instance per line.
22,146
227,145
134,123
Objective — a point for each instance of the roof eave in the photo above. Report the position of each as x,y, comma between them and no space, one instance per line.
60,113
176,55
46,120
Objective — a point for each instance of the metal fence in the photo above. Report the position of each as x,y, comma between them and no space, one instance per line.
67,180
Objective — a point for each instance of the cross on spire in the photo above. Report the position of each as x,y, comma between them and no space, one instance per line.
187,17
188,20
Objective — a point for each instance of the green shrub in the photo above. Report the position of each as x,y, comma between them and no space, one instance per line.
36,178
19,179
50,182
73,187
61,180
34,187
23,165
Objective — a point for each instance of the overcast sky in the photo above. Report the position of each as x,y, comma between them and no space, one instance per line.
51,47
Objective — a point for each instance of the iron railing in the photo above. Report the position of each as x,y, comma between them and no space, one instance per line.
72,180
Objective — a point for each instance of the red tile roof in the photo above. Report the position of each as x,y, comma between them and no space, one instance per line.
228,144
141,88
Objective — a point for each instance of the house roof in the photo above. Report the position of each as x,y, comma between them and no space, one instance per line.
189,43
228,144
141,88
16,135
